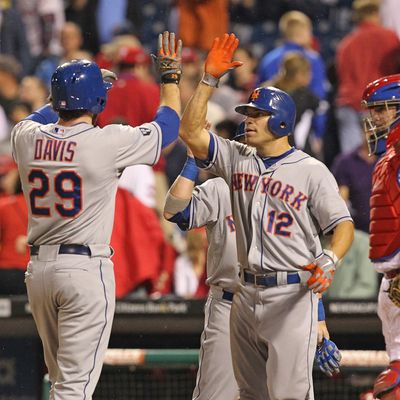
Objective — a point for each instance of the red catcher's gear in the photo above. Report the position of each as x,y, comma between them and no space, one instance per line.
385,206
387,384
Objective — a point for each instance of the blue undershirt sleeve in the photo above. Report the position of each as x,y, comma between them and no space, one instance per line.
182,218
44,115
168,120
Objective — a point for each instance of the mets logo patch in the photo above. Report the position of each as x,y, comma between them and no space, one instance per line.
145,131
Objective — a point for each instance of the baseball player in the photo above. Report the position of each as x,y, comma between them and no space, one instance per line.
209,205
69,171
381,100
281,199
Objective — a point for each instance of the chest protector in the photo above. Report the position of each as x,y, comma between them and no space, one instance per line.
385,206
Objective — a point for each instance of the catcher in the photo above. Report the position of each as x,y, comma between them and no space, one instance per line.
381,99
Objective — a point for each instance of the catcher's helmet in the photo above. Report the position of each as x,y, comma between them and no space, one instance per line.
383,92
278,103
79,85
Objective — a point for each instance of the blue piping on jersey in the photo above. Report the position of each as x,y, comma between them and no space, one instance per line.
102,330
65,137
168,120
334,223
182,218
158,152
386,258
261,225
270,161
211,156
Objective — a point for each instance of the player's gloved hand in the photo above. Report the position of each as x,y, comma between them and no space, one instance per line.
168,61
328,357
322,271
219,59
108,75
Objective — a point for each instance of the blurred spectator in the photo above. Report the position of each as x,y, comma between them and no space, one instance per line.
226,129
296,30
353,173
71,43
199,22
43,20
13,37
14,255
390,15
294,77
141,253
10,73
33,91
140,181
356,277
83,14
367,53
189,270
237,85
132,100
19,110
110,15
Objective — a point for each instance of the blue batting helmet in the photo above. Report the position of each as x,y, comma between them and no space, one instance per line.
79,85
278,103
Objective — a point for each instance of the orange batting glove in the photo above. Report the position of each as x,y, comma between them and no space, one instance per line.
322,272
219,59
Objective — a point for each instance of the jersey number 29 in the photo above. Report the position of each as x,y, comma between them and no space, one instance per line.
72,194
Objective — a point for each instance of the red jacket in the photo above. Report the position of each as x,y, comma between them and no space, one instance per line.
13,224
138,241
131,101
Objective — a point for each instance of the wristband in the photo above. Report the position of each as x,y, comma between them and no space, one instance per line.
332,256
209,80
321,310
172,77
190,169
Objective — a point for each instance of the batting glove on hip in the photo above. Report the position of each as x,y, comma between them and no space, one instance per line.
322,271
219,59
328,357
168,61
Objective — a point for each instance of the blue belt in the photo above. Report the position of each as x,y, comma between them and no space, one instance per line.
227,295
269,280
79,249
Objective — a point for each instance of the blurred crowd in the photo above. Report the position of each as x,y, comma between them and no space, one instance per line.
283,45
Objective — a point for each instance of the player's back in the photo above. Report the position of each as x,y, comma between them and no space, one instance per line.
69,176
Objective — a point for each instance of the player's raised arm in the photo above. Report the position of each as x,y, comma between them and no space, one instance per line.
218,62
169,67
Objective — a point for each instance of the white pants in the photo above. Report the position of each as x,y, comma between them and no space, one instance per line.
389,314
72,298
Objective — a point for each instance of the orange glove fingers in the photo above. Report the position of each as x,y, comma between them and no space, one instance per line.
224,41
160,45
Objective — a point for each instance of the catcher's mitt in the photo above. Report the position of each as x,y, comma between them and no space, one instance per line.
328,357
394,290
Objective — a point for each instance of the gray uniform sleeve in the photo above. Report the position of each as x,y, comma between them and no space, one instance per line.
204,206
136,145
226,153
325,202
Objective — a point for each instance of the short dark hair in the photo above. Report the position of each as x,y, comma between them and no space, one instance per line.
68,115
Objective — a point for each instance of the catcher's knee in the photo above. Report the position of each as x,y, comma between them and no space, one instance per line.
387,384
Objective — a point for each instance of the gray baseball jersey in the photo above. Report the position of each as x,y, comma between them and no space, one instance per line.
278,211
69,177
211,207
65,170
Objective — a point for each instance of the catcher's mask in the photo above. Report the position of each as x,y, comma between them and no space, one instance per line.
381,100
276,102
79,85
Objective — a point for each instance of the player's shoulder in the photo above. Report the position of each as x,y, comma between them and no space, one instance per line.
306,161
25,125
217,184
